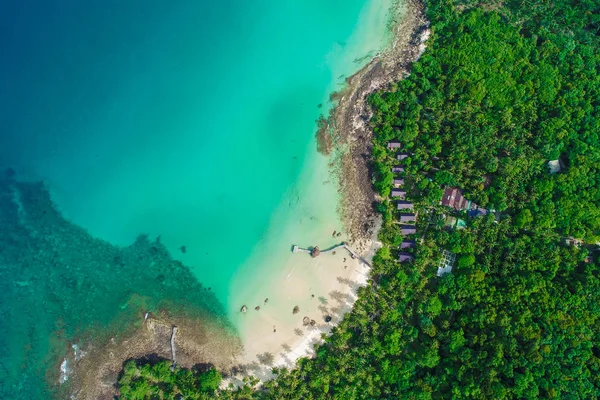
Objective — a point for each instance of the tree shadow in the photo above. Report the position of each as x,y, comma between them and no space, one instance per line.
298,332
345,281
257,370
340,297
266,358
202,367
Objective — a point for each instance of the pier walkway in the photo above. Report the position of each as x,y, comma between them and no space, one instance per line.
354,254
173,352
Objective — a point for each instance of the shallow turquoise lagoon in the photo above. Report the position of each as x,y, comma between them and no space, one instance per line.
193,121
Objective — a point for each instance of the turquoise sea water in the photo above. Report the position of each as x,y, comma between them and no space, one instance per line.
190,120
60,287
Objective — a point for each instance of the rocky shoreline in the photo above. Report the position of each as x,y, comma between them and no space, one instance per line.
348,122
345,136
96,369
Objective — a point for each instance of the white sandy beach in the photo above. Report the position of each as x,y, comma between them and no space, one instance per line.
276,337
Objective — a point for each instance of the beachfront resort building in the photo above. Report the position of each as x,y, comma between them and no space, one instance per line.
398,169
454,198
408,218
398,193
408,230
408,244
394,144
446,263
398,182
402,156
404,205
405,257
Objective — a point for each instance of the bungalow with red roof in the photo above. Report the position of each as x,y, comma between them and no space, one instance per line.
453,198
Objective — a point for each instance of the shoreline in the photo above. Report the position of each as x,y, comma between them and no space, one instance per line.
338,278
348,139
94,369
348,122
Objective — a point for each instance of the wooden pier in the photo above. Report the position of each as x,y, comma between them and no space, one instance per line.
173,352
353,254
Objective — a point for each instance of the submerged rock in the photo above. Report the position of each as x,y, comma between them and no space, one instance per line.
10,173
296,310
257,308
266,300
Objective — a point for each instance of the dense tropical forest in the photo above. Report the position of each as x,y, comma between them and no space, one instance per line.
503,88
159,380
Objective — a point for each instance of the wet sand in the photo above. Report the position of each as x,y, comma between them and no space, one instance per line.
275,336
325,286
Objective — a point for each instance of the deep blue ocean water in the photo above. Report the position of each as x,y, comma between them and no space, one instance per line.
185,120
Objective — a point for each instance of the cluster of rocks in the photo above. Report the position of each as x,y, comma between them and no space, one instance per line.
257,308
306,321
